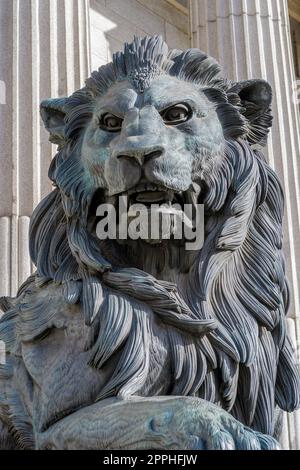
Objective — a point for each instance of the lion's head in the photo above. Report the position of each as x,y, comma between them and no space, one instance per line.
153,125
164,126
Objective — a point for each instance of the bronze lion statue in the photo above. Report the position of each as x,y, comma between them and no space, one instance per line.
144,344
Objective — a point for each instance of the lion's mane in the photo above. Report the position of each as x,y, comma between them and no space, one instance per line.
224,325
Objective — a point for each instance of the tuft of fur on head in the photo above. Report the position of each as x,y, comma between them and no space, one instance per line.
224,320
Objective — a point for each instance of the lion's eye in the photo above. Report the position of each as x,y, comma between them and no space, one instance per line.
110,122
176,114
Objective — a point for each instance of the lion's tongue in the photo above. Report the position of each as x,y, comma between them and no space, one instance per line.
151,196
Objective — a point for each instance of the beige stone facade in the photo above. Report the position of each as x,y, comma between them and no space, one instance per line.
48,47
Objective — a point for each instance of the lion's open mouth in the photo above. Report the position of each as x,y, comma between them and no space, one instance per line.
150,212
148,194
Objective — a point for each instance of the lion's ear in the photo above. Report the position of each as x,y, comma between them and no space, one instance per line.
256,99
53,112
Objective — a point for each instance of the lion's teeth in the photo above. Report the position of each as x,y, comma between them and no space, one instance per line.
150,196
143,187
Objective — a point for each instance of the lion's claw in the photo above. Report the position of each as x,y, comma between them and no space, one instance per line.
245,440
203,425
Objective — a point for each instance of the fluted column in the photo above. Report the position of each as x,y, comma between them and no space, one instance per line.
44,52
251,39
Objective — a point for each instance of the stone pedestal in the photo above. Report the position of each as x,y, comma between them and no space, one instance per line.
251,38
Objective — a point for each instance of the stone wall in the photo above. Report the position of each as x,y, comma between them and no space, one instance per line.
113,22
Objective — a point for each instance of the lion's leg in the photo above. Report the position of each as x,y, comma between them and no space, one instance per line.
152,423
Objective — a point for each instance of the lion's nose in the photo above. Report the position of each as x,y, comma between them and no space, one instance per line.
142,156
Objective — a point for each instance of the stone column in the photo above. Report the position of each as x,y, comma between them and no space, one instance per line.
44,52
251,38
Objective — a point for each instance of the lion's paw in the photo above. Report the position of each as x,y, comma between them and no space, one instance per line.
199,425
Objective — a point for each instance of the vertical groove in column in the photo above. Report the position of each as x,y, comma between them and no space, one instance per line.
247,39
212,33
84,41
71,43
199,25
46,74
75,39
5,256
61,49
237,39
6,77
225,37
14,252
15,108
53,44
25,139
24,266
35,64
15,150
